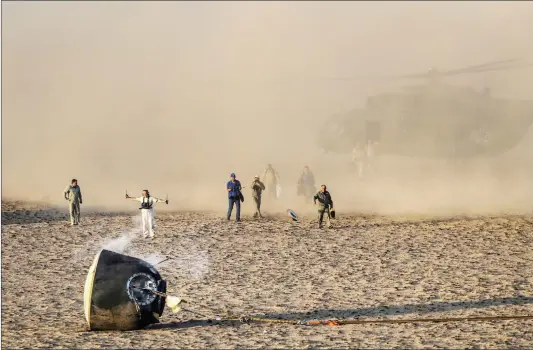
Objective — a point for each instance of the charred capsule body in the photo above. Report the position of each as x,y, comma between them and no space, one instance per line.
118,293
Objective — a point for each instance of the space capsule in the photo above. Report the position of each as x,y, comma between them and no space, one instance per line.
122,293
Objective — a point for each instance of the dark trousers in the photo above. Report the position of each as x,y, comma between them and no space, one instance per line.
237,203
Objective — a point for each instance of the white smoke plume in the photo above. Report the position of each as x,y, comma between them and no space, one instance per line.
121,243
117,244
194,263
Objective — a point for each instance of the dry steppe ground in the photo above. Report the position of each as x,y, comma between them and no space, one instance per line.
365,267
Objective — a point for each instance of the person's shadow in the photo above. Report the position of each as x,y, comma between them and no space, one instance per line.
378,311
33,216
51,215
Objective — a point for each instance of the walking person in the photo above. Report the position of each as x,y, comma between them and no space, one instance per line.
358,160
306,184
73,195
271,179
370,154
234,196
147,212
325,204
257,189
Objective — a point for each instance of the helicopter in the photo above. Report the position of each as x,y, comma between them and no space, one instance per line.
433,120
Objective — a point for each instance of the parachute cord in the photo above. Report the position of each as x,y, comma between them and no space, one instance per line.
389,321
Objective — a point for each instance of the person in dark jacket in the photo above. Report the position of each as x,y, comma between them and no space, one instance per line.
325,204
306,184
234,196
257,189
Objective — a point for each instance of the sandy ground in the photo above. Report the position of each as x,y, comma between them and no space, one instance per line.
364,267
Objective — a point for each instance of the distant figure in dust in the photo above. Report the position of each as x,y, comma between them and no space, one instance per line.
325,204
370,154
358,160
306,184
271,180
257,189
234,196
147,212
73,195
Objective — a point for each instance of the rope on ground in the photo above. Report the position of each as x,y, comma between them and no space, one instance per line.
337,322
389,321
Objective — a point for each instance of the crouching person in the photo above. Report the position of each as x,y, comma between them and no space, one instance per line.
147,211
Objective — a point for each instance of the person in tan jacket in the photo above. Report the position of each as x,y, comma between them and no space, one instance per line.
257,189
73,195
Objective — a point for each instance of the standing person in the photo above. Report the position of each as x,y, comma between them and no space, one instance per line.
147,211
73,195
358,160
306,184
370,153
234,196
325,204
257,189
271,179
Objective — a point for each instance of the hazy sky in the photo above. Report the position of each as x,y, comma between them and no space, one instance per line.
83,81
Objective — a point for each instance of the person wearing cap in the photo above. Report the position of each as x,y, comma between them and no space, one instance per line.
325,204
234,196
257,189
73,195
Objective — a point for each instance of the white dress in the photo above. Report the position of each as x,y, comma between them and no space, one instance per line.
147,215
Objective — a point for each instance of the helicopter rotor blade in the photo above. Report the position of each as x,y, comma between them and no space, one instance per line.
490,69
486,67
476,67
412,76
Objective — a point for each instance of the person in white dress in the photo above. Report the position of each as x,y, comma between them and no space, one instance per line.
147,212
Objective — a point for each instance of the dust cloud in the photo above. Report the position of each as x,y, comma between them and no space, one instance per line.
174,96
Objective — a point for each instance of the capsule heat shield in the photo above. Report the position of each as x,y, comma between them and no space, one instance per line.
118,293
